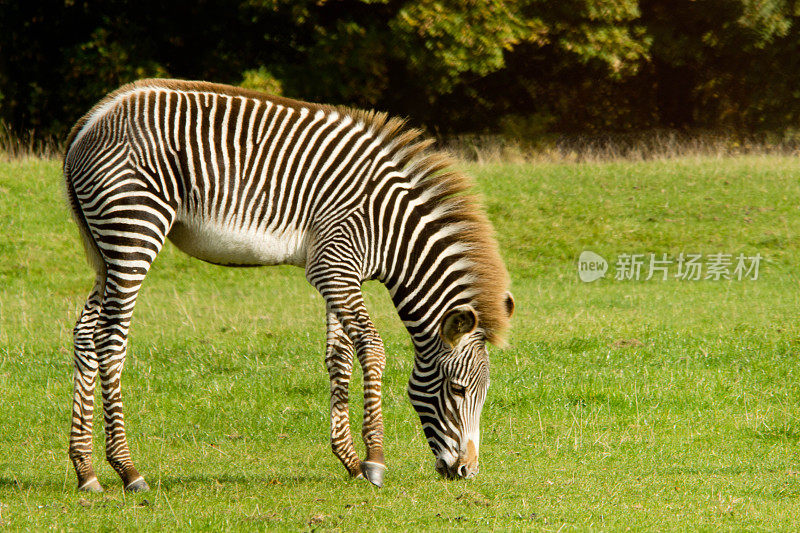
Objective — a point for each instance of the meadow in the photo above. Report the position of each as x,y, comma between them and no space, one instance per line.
644,404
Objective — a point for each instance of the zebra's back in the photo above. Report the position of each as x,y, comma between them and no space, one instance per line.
247,177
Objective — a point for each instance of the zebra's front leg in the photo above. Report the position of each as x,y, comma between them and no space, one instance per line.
85,360
341,290
339,360
369,348
111,340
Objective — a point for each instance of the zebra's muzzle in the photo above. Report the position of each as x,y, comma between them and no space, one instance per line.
465,466
457,470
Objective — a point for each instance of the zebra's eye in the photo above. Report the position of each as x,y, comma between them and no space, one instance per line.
458,390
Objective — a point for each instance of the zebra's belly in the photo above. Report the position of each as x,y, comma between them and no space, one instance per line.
223,245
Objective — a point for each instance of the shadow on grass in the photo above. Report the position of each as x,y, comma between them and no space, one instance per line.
241,480
719,471
177,482
784,433
24,484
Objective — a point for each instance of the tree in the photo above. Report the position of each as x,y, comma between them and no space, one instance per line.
528,67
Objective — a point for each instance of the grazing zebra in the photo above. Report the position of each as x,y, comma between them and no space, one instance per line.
241,178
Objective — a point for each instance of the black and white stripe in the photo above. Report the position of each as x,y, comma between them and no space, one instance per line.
240,178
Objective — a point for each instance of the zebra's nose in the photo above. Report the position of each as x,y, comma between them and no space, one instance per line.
467,465
467,471
457,470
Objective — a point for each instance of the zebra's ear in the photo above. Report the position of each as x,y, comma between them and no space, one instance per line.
509,304
457,322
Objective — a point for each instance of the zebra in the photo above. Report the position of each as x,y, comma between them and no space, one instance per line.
240,178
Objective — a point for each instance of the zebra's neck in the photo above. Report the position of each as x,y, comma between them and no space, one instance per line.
423,262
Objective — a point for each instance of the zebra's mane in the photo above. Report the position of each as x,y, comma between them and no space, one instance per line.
434,171
429,169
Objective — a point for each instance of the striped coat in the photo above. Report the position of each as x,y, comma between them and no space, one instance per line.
240,178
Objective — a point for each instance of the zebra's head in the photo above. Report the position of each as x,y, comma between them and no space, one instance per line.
448,388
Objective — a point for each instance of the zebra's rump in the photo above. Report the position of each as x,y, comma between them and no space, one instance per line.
227,245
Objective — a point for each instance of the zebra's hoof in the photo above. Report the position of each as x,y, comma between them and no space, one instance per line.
140,485
373,472
91,486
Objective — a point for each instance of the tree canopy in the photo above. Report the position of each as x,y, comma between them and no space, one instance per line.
527,66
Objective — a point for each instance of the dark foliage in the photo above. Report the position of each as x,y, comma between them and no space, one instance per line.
526,68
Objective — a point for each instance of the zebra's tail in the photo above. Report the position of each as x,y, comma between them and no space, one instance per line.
93,255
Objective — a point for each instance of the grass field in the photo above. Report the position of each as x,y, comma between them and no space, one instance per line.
618,404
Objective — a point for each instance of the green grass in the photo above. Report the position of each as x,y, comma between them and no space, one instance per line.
643,404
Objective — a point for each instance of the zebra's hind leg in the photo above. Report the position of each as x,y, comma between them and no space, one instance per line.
339,360
111,341
86,366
